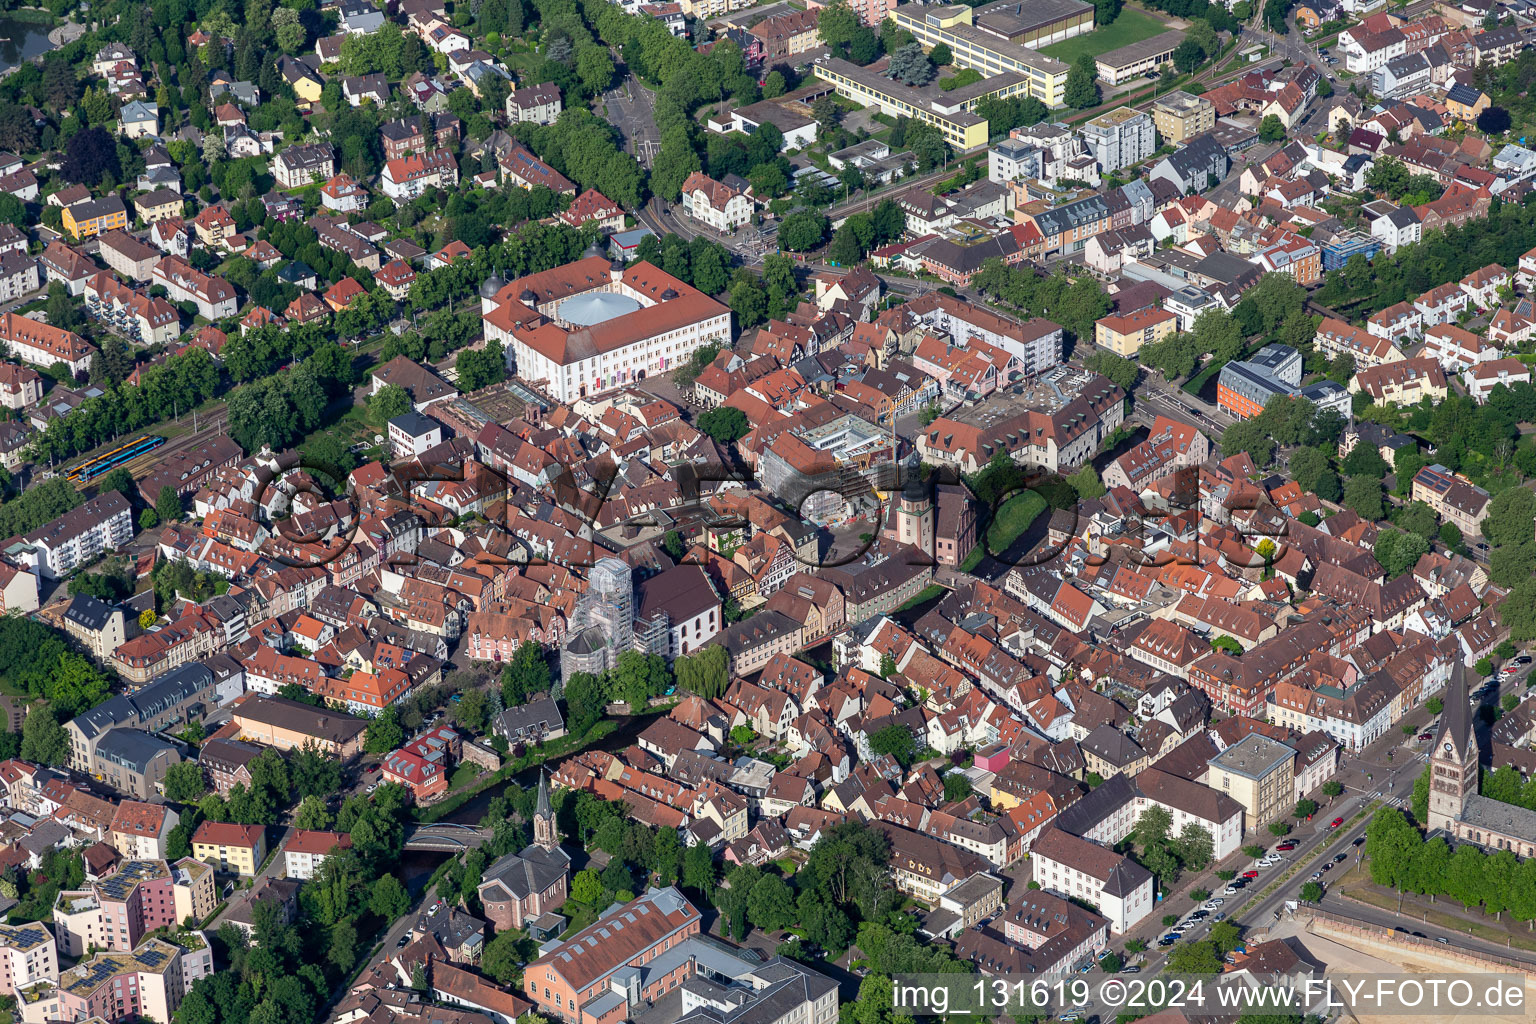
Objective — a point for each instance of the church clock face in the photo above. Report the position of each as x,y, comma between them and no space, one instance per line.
1448,746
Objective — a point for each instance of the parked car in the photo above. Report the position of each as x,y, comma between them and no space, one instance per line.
1359,841
1286,847
404,941
1250,874
1315,876
1133,969
1218,918
1524,659
1341,858
1336,823
1426,735
1230,890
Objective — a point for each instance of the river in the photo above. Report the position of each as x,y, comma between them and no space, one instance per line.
416,866
21,39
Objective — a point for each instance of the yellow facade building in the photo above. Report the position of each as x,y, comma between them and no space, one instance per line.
950,112
1124,335
1045,78
1259,773
95,216
234,849
1181,115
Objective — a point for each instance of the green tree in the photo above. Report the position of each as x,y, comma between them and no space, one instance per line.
183,782
1362,494
526,675
312,814
1086,483
584,702
724,423
388,898
910,66
1398,551
747,300
1194,958
804,229
501,956
384,732
586,887
43,739
1082,89
343,949
837,24
1152,827
956,787
1188,56
387,402
1271,129
771,904
1195,847
897,741
168,504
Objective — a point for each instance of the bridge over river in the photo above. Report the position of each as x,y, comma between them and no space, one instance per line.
445,837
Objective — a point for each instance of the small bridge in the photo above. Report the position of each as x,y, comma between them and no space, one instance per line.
445,837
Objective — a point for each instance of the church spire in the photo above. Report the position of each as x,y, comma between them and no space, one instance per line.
544,815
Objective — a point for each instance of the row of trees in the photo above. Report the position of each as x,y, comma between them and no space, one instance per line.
163,391
1439,257
1073,302
1287,421
1274,309
1499,882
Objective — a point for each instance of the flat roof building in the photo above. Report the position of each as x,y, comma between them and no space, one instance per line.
983,50
1126,62
950,112
1259,773
1181,115
1036,23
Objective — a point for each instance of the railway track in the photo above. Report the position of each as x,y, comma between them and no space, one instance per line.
141,465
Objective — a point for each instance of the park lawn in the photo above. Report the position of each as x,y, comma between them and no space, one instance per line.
1131,27
1013,518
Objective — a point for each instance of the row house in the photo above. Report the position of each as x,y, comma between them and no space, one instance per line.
1335,337
214,297
1405,382
1398,321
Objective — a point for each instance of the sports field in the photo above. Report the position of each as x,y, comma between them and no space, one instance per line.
1131,27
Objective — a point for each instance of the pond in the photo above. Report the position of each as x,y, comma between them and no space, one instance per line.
21,39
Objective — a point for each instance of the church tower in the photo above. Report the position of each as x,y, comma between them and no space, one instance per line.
1453,764
544,816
